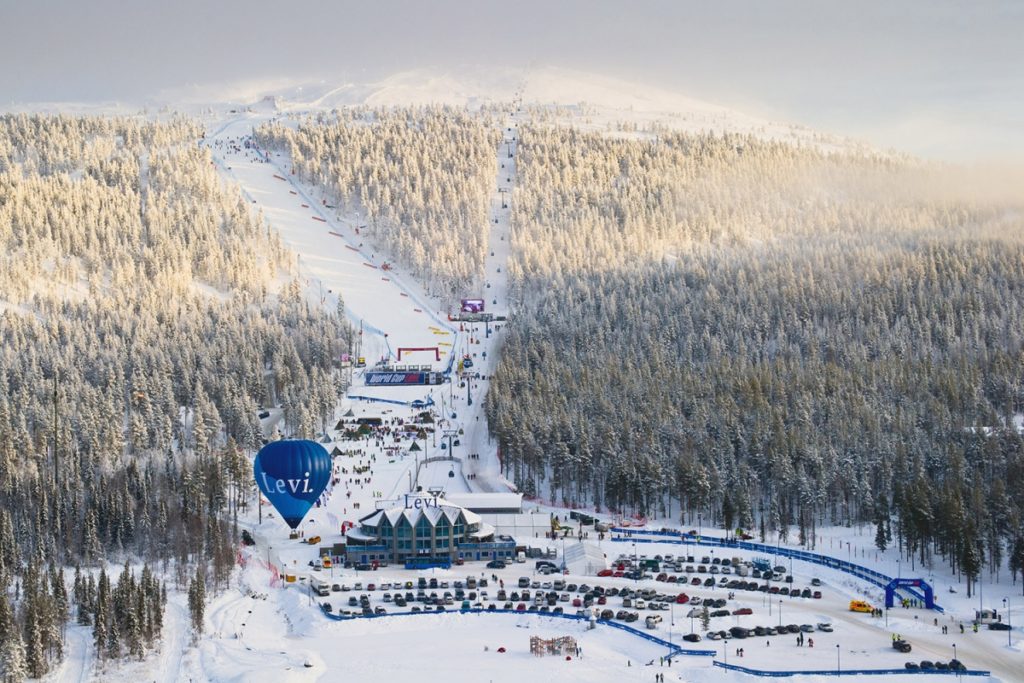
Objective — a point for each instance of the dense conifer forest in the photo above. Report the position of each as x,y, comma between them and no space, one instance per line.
145,313
420,176
771,336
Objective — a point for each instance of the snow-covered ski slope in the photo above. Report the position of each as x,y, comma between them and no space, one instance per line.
392,312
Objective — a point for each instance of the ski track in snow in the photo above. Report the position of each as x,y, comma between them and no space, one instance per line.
487,469
78,657
172,649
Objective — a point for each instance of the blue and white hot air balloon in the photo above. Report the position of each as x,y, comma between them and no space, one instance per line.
292,475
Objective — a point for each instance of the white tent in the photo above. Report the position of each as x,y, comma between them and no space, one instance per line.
584,558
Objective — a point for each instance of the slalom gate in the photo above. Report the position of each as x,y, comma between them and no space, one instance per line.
674,650
870,575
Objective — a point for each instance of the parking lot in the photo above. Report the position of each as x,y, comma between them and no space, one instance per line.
696,597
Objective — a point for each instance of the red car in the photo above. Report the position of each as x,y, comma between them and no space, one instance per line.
577,602
521,607
695,582
817,595
619,575
682,599
673,578
743,610
661,577
605,572
602,600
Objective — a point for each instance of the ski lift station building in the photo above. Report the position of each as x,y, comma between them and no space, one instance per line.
426,527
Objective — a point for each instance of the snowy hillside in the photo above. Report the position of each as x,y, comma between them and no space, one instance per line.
576,98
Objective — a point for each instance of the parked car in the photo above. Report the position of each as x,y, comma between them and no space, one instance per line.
825,627
743,610
496,564
692,637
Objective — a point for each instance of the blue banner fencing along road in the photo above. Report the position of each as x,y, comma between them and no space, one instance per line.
675,650
850,672
415,403
677,538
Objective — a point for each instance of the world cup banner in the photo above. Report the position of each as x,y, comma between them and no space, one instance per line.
383,378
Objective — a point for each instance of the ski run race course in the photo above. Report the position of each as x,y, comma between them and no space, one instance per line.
265,628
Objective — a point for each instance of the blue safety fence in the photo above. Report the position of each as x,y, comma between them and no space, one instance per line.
861,572
416,403
674,650
847,672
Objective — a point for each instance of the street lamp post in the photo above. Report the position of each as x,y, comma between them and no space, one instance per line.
838,668
725,648
780,611
636,565
671,621
1009,622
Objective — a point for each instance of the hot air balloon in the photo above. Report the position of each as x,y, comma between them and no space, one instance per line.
292,475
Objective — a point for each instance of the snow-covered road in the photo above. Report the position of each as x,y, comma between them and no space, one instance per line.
78,658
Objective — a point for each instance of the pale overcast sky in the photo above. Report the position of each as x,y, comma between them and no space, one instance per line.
935,77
